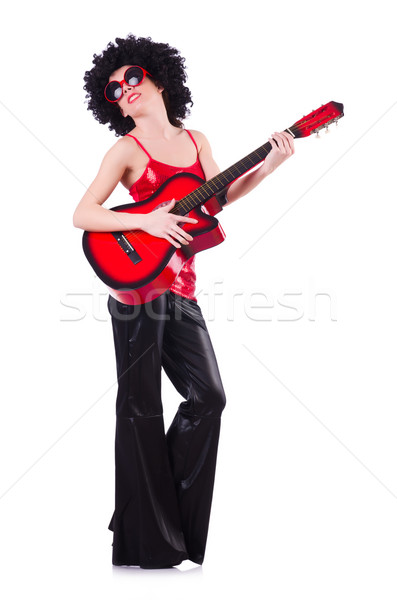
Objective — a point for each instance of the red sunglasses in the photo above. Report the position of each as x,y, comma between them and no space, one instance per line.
133,76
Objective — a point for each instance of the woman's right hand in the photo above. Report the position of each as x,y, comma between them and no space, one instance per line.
161,223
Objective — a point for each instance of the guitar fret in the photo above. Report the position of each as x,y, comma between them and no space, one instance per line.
218,183
224,176
208,184
188,200
250,164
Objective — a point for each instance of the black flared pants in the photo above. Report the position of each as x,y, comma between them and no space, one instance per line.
164,481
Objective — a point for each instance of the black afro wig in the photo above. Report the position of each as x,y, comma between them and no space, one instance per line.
161,60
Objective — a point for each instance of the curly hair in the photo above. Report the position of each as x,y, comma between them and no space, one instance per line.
166,66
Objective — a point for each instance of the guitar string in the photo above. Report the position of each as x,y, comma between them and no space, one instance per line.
205,188
185,202
206,191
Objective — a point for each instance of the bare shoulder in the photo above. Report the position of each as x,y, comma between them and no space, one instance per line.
125,158
207,161
122,150
200,139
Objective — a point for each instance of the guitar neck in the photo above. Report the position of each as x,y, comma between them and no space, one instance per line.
217,184
311,123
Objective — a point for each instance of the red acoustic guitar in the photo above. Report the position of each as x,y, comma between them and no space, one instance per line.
138,267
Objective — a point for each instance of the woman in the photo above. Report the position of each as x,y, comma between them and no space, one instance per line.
164,482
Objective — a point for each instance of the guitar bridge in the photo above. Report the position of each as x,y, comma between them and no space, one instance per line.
127,247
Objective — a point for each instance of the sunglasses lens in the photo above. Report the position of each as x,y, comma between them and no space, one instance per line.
113,91
134,76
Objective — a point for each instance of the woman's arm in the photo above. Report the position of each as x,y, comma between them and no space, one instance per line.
92,216
239,188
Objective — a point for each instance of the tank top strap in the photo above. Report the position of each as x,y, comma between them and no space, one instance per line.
193,140
140,145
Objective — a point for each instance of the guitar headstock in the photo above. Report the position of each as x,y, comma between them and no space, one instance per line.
317,119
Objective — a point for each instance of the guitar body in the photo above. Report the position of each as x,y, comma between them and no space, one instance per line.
138,267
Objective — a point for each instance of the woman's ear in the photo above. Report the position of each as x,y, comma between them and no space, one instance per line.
160,89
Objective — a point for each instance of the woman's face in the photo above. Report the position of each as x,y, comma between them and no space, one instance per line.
136,100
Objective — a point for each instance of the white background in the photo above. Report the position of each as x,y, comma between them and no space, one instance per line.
303,323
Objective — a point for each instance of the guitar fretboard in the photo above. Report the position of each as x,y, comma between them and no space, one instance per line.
217,184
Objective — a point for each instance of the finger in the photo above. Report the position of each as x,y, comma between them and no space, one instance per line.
183,233
289,136
172,241
180,238
280,141
276,145
170,205
288,141
272,142
181,219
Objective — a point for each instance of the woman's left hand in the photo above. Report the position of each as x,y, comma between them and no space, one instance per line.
283,149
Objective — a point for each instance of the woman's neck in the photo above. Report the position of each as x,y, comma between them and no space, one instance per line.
154,126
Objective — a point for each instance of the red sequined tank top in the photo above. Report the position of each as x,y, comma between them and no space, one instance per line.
155,174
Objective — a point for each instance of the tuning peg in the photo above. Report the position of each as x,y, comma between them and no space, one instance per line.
326,129
317,135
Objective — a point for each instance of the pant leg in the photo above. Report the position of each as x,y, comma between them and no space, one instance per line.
146,525
190,363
